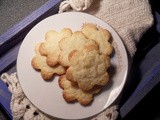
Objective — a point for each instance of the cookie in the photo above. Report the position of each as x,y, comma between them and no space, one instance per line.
71,92
100,35
88,68
39,63
80,58
76,42
50,48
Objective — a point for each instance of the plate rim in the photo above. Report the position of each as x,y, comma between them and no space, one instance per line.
125,75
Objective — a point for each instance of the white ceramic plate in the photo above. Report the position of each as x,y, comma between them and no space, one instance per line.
47,96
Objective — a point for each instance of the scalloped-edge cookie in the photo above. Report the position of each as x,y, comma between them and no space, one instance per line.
88,68
76,42
100,35
39,63
71,92
50,47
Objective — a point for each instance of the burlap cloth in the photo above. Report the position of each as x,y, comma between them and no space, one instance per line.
129,18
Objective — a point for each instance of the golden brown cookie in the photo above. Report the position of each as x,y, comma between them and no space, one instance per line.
76,42
71,92
81,59
100,35
39,63
88,68
50,48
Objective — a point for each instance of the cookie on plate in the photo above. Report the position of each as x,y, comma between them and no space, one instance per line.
100,35
39,63
50,47
88,68
71,92
76,42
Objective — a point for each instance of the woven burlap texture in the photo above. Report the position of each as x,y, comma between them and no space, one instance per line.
129,18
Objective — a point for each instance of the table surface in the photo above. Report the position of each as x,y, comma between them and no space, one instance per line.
13,11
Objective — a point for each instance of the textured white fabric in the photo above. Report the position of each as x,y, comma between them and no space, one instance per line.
78,5
130,18
23,109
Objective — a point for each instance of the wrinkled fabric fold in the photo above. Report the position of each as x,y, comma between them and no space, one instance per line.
129,18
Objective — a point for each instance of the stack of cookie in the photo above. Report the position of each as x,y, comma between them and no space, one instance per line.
80,58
